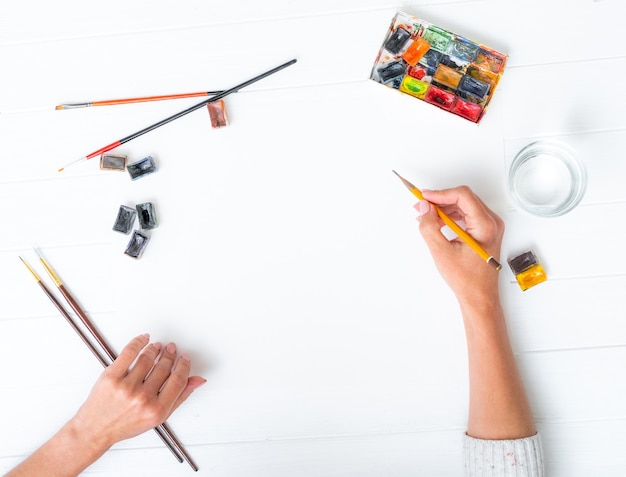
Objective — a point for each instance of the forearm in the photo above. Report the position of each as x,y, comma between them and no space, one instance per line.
499,408
66,454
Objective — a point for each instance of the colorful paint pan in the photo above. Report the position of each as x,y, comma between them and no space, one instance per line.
439,67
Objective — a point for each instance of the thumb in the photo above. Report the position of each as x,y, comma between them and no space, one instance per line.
430,227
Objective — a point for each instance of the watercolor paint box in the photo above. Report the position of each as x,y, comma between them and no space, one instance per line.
438,67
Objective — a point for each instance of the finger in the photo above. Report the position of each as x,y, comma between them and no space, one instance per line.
128,355
422,207
480,220
176,382
430,228
193,383
453,212
484,224
145,362
493,215
161,370
462,197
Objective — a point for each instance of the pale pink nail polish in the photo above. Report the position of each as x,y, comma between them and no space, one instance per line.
171,348
424,207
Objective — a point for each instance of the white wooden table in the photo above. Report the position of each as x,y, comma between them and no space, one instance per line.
287,261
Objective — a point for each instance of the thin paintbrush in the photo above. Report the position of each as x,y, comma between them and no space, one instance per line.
66,315
234,89
162,430
161,433
106,348
111,102
78,310
463,235
144,99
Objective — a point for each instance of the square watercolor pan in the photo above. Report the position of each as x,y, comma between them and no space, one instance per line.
438,66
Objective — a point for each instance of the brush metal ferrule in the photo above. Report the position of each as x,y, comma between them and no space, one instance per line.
75,105
55,278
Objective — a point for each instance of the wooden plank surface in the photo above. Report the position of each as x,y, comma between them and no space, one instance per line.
287,261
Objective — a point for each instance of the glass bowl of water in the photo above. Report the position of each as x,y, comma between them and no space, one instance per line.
547,179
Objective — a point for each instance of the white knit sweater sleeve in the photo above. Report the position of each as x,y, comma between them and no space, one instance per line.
503,458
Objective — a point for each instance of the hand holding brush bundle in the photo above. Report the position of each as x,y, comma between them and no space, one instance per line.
125,402
150,391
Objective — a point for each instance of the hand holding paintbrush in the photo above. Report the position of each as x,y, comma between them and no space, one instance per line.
126,401
134,394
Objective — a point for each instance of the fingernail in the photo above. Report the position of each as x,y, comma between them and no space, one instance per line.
145,336
185,357
158,346
171,348
424,207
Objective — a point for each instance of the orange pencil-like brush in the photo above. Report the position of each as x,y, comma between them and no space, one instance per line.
144,99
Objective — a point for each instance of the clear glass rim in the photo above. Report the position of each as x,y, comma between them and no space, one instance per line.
568,157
